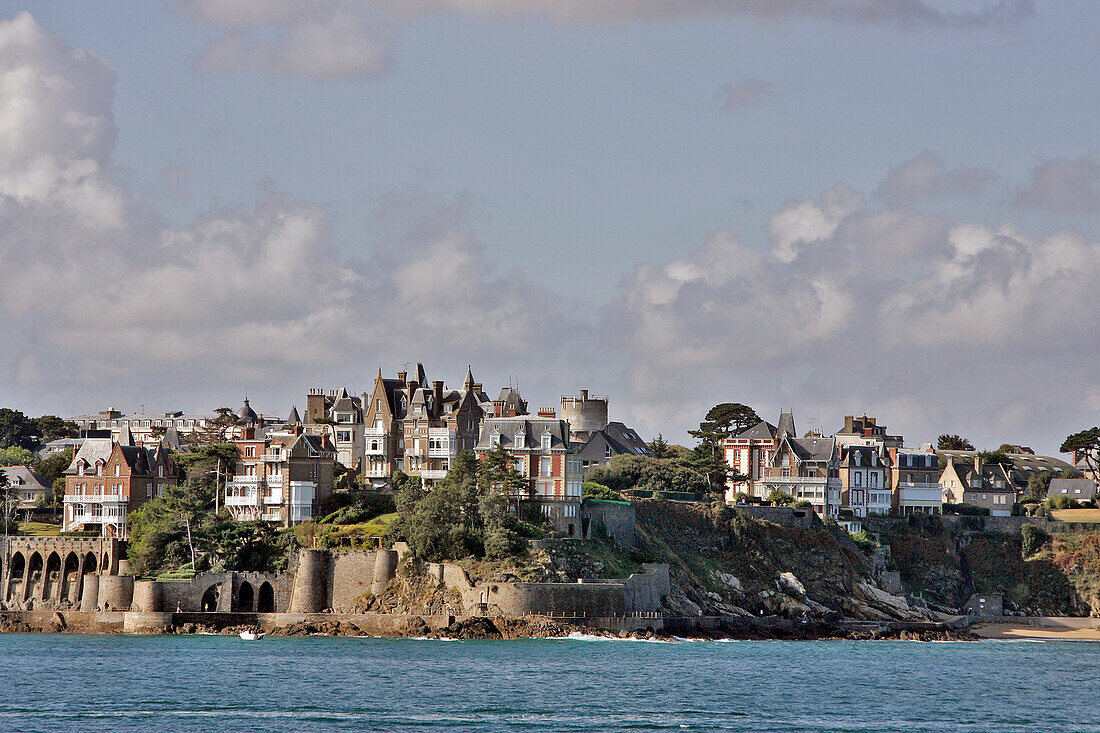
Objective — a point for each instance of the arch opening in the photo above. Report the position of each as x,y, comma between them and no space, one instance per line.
90,564
34,575
210,598
51,581
266,601
245,597
70,577
17,568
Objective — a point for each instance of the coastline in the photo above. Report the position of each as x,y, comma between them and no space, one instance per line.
1004,631
471,627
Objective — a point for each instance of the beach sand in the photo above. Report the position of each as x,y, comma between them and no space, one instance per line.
1012,631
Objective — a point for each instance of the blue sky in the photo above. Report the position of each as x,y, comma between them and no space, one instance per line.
572,152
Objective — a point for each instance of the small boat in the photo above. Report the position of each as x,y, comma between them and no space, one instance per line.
252,635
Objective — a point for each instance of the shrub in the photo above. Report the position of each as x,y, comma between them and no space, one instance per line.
802,504
594,490
1032,539
1061,502
966,509
780,498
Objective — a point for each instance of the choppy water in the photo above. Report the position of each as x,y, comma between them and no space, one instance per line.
211,683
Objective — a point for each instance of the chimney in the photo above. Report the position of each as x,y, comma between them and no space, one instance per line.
401,376
548,411
868,432
249,433
437,395
478,387
297,430
584,395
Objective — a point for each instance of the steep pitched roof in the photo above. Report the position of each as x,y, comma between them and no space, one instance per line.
786,425
762,430
532,429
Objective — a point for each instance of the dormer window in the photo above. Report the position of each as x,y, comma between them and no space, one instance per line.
520,440
547,439
494,439
80,470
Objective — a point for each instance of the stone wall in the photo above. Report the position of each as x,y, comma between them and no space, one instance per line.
614,518
57,572
781,515
1007,525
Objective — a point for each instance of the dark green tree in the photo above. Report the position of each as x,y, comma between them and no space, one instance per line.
659,446
992,457
17,430
1086,445
723,420
52,427
953,442
218,429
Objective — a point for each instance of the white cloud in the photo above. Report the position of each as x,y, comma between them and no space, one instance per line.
324,39
98,298
935,325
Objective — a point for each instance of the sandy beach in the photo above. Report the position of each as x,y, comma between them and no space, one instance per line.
1073,630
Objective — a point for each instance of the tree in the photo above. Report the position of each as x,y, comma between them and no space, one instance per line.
953,442
16,429
993,457
779,498
18,456
496,473
1085,445
723,420
659,446
218,429
51,427
645,473
53,467
593,490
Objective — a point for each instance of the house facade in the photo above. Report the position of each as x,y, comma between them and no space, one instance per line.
915,483
541,452
280,477
108,479
748,452
807,469
26,487
864,478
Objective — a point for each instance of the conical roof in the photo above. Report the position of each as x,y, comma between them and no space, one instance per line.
294,418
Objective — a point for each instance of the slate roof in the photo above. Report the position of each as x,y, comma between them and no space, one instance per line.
1081,489
762,430
532,428
24,477
812,449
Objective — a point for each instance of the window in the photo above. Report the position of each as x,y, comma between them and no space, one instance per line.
520,438
874,480
545,466
343,417
546,441
607,451
118,470
857,478
494,440
250,452
343,436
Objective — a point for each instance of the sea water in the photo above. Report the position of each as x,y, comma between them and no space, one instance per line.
218,683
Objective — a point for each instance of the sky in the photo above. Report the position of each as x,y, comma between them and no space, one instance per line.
838,207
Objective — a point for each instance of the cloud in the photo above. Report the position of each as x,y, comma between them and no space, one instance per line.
927,176
1063,185
744,92
933,325
100,301
340,39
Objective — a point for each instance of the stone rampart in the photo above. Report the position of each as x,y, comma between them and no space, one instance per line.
785,515
616,519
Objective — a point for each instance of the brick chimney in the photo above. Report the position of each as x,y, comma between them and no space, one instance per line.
549,411
248,433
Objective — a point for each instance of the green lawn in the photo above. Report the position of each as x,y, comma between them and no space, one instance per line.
1077,515
39,529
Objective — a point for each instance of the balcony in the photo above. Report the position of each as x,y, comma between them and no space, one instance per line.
375,432
276,497
433,473
921,493
95,499
245,498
